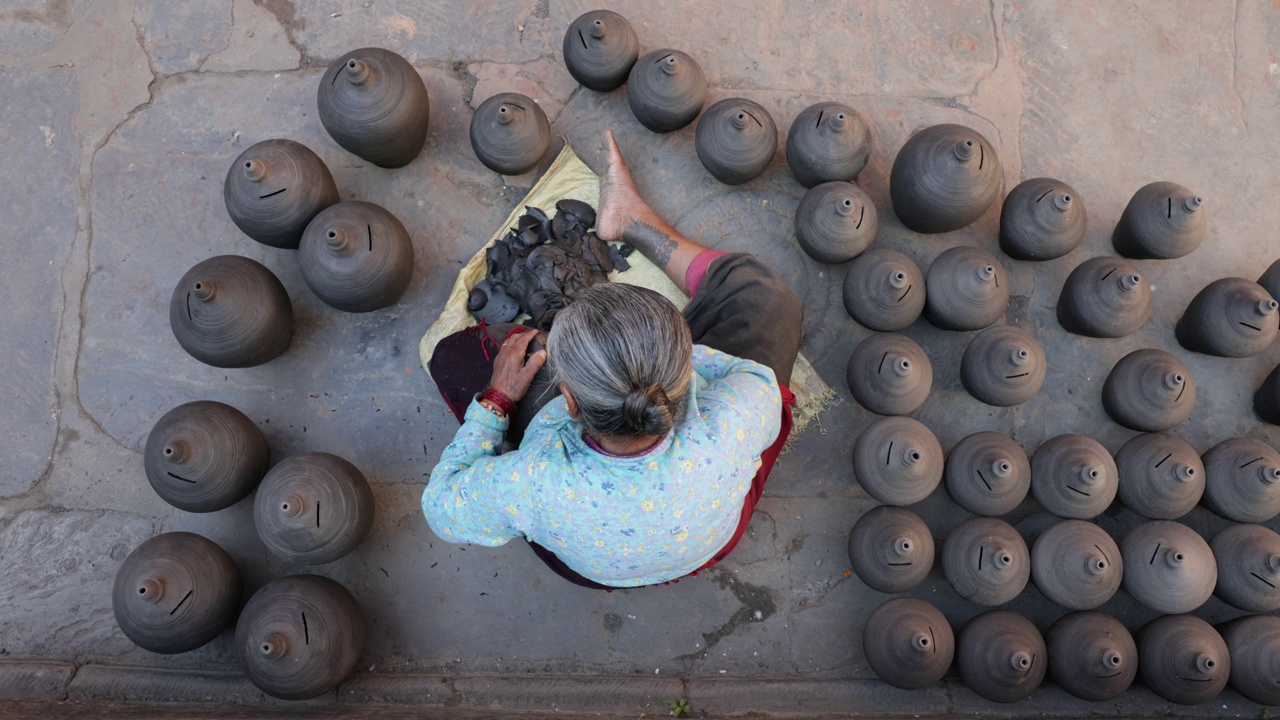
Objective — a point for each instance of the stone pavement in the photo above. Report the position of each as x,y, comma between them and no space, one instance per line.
119,121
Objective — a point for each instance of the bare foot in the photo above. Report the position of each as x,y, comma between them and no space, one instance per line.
620,203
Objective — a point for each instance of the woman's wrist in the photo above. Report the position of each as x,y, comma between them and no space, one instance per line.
497,401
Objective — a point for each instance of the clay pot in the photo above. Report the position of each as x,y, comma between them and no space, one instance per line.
944,178
1163,220
1001,656
908,643
968,289
1149,390
175,592
313,508
1270,280
510,133
1254,646
1183,659
897,460
374,104
736,140
1073,476
231,312
666,89
889,374
1076,564
1266,401
1091,656
986,561
988,474
300,636
827,141
204,456
1248,558
1042,219
357,257
835,222
891,549
1168,567
1242,480
884,290
1003,366
1161,476
274,188
599,49
1104,297
1231,317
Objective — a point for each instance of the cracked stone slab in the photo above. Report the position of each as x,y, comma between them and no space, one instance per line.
257,41
934,49
29,680
180,36
29,27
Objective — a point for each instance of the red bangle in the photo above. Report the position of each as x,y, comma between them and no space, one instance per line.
499,398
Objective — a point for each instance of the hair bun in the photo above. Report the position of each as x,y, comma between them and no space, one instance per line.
647,410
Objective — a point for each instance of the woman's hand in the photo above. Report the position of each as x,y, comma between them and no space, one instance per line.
512,372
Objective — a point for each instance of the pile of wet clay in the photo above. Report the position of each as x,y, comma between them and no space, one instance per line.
542,264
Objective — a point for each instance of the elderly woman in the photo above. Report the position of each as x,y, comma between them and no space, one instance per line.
648,464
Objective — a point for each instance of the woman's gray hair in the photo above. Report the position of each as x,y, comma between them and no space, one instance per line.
625,354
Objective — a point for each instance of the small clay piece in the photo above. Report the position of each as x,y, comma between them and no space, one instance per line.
357,257
736,140
1248,559
1161,476
1270,280
204,456
374,104
1001,656
1076,564
1149,390
944,178
891,549
884,290
510,133
1183,659
175,592
827,141
274,188
1163,220
1073,476
1231,317
666,89
908,643
492,304
231,312
1266,401
1242,480
1254,646
889,374
300,636
1091,655
835,222
968,289
1104,297
599,49
898,461
1168,567
988,474
986,561
1042,219
313,508
1003,366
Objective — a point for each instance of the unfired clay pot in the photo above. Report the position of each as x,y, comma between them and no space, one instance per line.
944,178
891,549
1168,567
374,104
1104,297
827,141
1270,279
1003,366
274,188
986,561
1183,659
968,289
835,222
599,49
988,474
1161,476
1242,480
204,456
889,374
666,89
510,133
908,643
897,461
1231,317
1248,558
1266,401
1041,219
1254,645
1073,476
1076,564
1162,220
357,257
1091,655
1001,656
884,290
313,508
231,312
736,140
1149,390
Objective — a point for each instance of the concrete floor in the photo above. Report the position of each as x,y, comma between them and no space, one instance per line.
119,121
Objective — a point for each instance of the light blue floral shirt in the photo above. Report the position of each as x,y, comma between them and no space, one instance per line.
620,521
